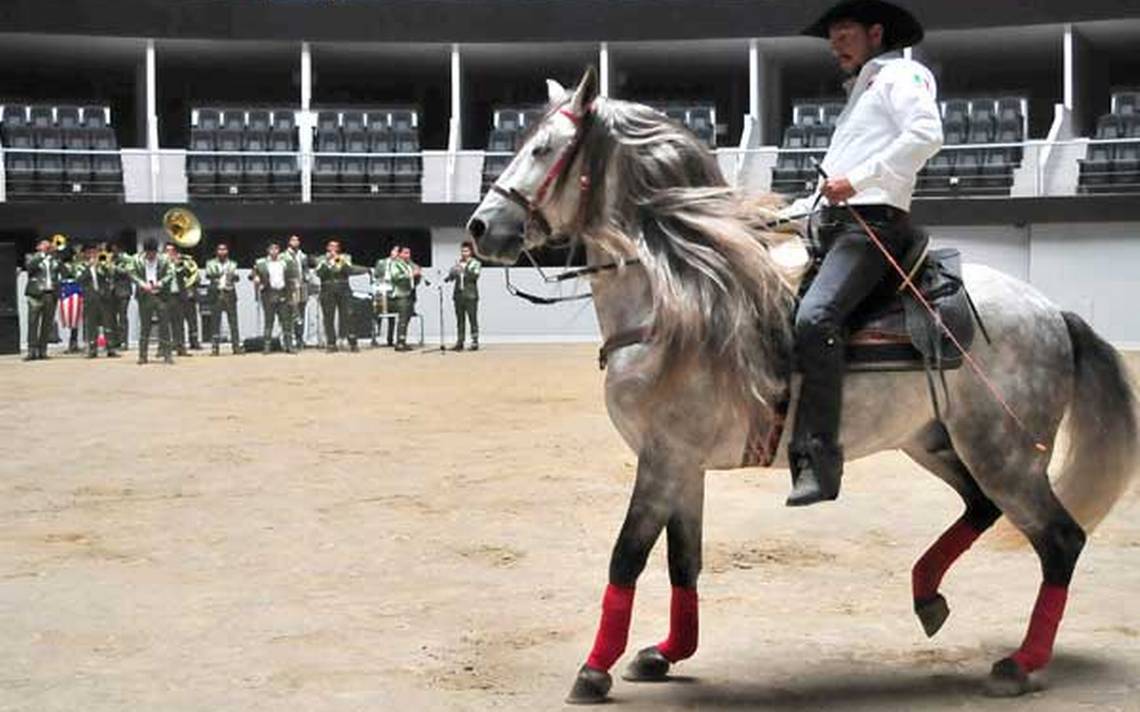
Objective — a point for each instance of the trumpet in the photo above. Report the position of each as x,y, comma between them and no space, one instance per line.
105,258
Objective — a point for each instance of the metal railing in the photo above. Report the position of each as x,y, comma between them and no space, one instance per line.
1044,168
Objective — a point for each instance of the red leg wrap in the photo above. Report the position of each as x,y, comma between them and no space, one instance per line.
683,626
1037,648
929,570
613,631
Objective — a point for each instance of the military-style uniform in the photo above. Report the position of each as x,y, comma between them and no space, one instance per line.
466,296
121,297
154,305
42,294
222,278
382,299
277,291
175,306
300,295
186,302
404,281
98,283
336,296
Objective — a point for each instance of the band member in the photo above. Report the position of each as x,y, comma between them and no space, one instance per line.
186,305
41,293
153,275
222,275
177,297
888,131
96,276
334,269
466,295
275,276
121,296
300,296
71,261
382,275
406,277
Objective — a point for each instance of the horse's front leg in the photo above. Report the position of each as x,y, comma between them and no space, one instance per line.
659,481
684,535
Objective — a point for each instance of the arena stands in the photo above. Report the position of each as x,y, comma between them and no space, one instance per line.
366,153
982,149
60,152
1113,160
243,153
508,127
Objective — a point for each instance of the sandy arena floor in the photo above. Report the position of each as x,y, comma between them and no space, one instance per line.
367,532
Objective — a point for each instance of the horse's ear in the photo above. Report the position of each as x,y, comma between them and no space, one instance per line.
586,92
555,91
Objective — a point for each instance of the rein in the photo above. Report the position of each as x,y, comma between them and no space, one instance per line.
564,277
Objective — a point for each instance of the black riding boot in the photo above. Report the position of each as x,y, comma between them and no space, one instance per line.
814,453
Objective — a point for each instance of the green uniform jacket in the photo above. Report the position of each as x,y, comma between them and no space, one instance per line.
123,281
44,273
165,273
106,274
329,272
221,275
292,273
466,278
404,280
187,273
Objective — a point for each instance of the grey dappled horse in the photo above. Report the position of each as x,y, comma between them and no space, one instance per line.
697,314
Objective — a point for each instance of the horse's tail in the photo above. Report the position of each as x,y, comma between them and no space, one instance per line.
1104,437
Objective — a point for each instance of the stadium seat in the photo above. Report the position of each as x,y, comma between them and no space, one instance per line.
958,111
788,177
258,120
284,171
94,117
19,166
233,119
255,167
379,168
352,121
41,117
808,115
831,113
203,140
406,170
77,167
202,174
404,120
328,120
1098,166
353,169
283,120
209,119
67,117
15,116
49,166
326,169
377,120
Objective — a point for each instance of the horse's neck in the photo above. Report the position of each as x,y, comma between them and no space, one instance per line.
622,298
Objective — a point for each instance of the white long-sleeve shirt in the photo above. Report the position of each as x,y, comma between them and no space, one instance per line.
889,129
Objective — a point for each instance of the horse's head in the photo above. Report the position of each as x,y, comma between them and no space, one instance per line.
523,209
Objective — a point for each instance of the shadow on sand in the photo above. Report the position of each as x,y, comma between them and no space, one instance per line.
893,687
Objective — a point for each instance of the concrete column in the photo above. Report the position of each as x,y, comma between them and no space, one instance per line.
1080,74
151,69
455,134
305,124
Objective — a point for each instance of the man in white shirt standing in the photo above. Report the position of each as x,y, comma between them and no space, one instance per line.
890,127
276,277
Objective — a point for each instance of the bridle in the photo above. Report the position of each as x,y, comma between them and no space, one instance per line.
536,220
533,206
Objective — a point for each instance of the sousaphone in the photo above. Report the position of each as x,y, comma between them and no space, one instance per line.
183,227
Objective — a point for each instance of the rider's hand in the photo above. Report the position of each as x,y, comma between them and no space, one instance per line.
838,190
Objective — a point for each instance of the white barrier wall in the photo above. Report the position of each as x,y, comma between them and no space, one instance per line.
1089,269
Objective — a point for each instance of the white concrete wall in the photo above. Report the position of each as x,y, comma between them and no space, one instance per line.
1090,269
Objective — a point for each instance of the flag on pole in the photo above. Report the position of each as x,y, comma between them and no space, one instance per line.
70,305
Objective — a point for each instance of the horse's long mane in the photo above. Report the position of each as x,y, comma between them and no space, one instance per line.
719,296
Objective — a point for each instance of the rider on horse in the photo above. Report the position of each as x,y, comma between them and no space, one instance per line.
890,127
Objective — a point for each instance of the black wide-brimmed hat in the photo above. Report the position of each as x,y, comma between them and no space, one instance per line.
900,28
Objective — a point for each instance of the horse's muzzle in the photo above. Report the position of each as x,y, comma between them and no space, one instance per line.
497,242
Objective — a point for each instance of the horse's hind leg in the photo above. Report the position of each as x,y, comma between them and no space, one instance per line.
1016,480
684,537
933,450
658,488
1058,541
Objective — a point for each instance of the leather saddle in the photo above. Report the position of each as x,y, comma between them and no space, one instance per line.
893,331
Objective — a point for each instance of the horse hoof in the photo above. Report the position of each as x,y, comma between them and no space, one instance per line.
591,687
932,613
1007,679
649,666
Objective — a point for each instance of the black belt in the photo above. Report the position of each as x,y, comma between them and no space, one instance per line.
872,213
